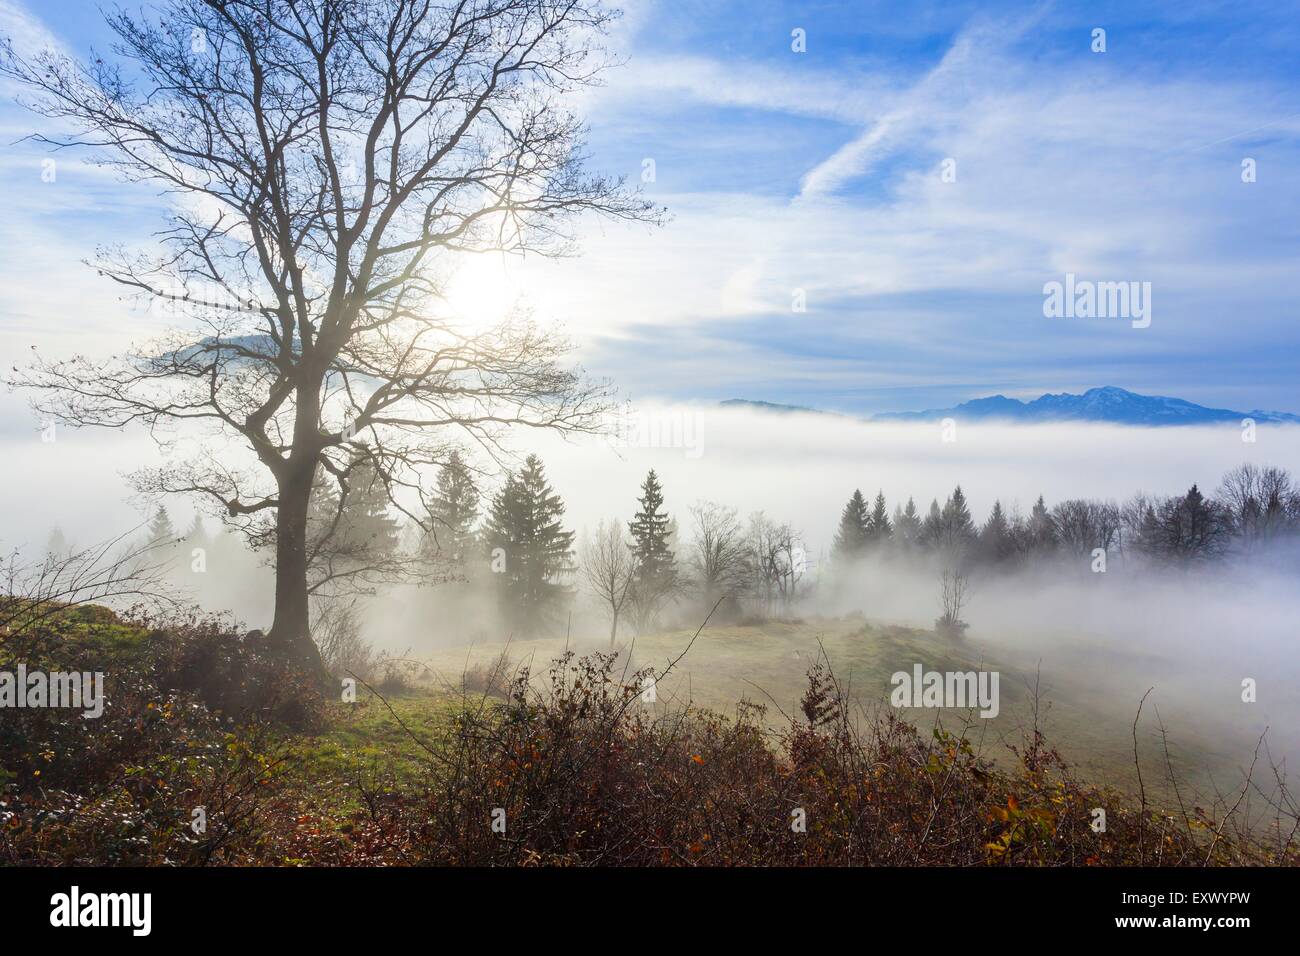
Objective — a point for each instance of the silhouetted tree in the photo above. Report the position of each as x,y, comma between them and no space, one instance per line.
932,526
907,525
529,552
719,556
879,527
1082,526
327,156
995,542
655,575
453,513
852,535
1192,528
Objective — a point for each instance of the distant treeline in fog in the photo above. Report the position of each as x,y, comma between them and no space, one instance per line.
510,552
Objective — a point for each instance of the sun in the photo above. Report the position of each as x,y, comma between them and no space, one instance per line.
482,290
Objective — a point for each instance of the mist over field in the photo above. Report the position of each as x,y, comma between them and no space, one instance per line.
1193,635
534,432
797,467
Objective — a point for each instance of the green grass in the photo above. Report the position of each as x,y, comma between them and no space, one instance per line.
366,742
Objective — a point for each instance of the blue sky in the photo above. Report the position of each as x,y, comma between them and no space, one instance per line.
822,172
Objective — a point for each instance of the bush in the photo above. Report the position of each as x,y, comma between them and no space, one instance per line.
178,768
583,773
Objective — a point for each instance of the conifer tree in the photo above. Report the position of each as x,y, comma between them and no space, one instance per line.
932,527
655,575
353,538
453,512
958,527
529,551
57,545
852,535
907,525
1041,530
879,528
161,532
197,536
996,543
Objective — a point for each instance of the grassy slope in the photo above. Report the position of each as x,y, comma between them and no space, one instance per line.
768,663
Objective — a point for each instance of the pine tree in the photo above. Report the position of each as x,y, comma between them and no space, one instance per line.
879,528
195,539
932,527
1192,527
957,529
57,545
197,536
528,548
161,531
907,525
365,531
453,512
996,544
851,538
655,575
367,524
1041,530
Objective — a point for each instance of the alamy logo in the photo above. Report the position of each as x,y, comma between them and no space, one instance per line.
672,428
103,909
80,691
959,689
1085,299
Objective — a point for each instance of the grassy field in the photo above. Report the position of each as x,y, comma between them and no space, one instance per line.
767,664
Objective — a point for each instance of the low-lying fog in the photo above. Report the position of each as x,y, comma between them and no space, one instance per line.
1194,636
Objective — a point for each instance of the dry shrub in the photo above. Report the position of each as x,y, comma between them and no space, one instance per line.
492,678
186,726
581,772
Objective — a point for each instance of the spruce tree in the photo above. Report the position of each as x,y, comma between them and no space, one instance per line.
996,544
528,549
197,536
361,534
1041,529
56,545
195,539
907,525
851,537
453,512
932,527
879,528
367,525
957,523
655,574
161,544
161,532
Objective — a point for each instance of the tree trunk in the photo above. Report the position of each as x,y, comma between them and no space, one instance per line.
291,629
613,629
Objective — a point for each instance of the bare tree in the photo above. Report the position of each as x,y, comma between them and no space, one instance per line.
779,561
1083,525
718,549
1261,502
953,591
327,156
609,570
337,632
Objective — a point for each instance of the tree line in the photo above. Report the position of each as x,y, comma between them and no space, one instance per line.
514,544
1253,508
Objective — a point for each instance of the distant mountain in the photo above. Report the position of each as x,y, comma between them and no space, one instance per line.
1114,405
772,407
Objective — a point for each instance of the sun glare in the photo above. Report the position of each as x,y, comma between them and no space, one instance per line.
482,290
